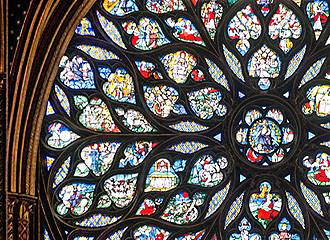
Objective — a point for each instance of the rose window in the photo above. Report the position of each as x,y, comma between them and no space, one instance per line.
179,119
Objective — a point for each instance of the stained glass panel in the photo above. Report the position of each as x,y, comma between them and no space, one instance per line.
180,119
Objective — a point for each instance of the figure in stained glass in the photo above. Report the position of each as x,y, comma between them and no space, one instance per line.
148,69
77,73
266,137
119,86
60,135
207,171
181,209
243,26
85,28
161,100
99,156
184,30
121,188
150,232
318,13
265,206
245,227
161,177
284,228
318,168
164,6
134,120
211,14
147,34
206,102
284,26
76,197
147,207
264,64
179,65
96,116
318,101
136,152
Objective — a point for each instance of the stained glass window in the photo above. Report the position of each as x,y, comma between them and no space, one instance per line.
201,119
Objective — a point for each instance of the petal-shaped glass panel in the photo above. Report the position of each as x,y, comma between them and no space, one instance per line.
211,14
62,172
188,126
96,116
111,30
184,30
233,63
119,86
181,209
265,206
146,34
179,65
121,188
63,99
205,103
295,209
245,227
97,52
217,74
234,210
76,198
311,198
216,200
60,135
285,26
312,72
99,156
134,120
97,220
187,147
264,63
295,62
284,227
318,13
161,99
77,73
207,172
243,26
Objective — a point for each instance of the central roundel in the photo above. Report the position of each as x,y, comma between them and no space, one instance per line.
265,136
264,131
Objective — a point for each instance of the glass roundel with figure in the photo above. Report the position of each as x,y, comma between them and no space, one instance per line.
191,119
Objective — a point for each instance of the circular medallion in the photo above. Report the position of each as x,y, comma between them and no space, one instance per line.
265,136
264,131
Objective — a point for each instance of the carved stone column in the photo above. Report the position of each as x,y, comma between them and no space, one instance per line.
2,155
11,203
21,215
26,211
